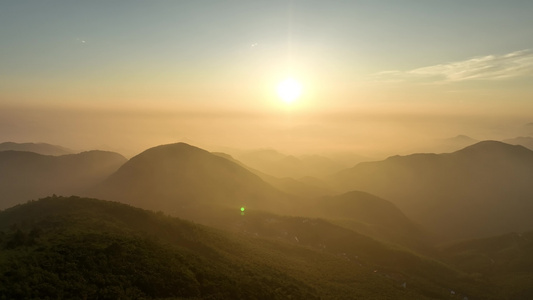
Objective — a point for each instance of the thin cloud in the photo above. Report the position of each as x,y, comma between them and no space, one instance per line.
490,67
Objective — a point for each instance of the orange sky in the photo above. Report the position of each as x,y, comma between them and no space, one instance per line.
376,77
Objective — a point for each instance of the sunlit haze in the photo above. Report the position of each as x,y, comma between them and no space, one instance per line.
368,77
289,90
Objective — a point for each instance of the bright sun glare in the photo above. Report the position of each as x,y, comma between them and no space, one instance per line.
289,90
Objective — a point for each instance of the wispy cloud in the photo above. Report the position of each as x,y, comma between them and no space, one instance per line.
490,67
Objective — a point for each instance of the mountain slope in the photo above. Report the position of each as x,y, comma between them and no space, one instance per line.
506,261
280,165
28,175
77,247
525,141
305,187
177,178
364,207
372,216
482,190
454,143
41,148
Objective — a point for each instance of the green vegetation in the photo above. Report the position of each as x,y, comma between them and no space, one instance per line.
62,248
85,248
504,263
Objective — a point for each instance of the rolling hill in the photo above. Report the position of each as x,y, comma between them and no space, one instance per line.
180,179
306,187
27,175
482,190
370,215
280,165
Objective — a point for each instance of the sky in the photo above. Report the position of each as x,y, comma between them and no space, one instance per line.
389,75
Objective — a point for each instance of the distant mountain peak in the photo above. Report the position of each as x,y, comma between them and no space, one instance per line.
490,146
174,151
176,146
525,141
484,188
463,138
41,148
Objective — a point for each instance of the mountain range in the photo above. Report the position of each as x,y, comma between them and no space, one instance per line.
41,148
525,141
482,190
27,175
383,230
274,163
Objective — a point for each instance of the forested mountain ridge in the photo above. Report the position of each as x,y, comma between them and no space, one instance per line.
70,247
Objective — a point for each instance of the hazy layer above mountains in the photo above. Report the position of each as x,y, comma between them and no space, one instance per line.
345,137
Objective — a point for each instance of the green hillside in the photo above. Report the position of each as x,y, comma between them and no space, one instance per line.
505,262
73,247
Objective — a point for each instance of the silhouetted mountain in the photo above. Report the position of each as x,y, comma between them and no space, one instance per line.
369,215
525,141
447,145
306,187
456,143
462,139
297,187
28,175
280,165
178,178
41,148
373,215
364,207
78,247
481,190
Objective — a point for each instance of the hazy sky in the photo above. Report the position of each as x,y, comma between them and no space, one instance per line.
128,75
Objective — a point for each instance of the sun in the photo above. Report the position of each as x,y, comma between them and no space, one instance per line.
289,90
